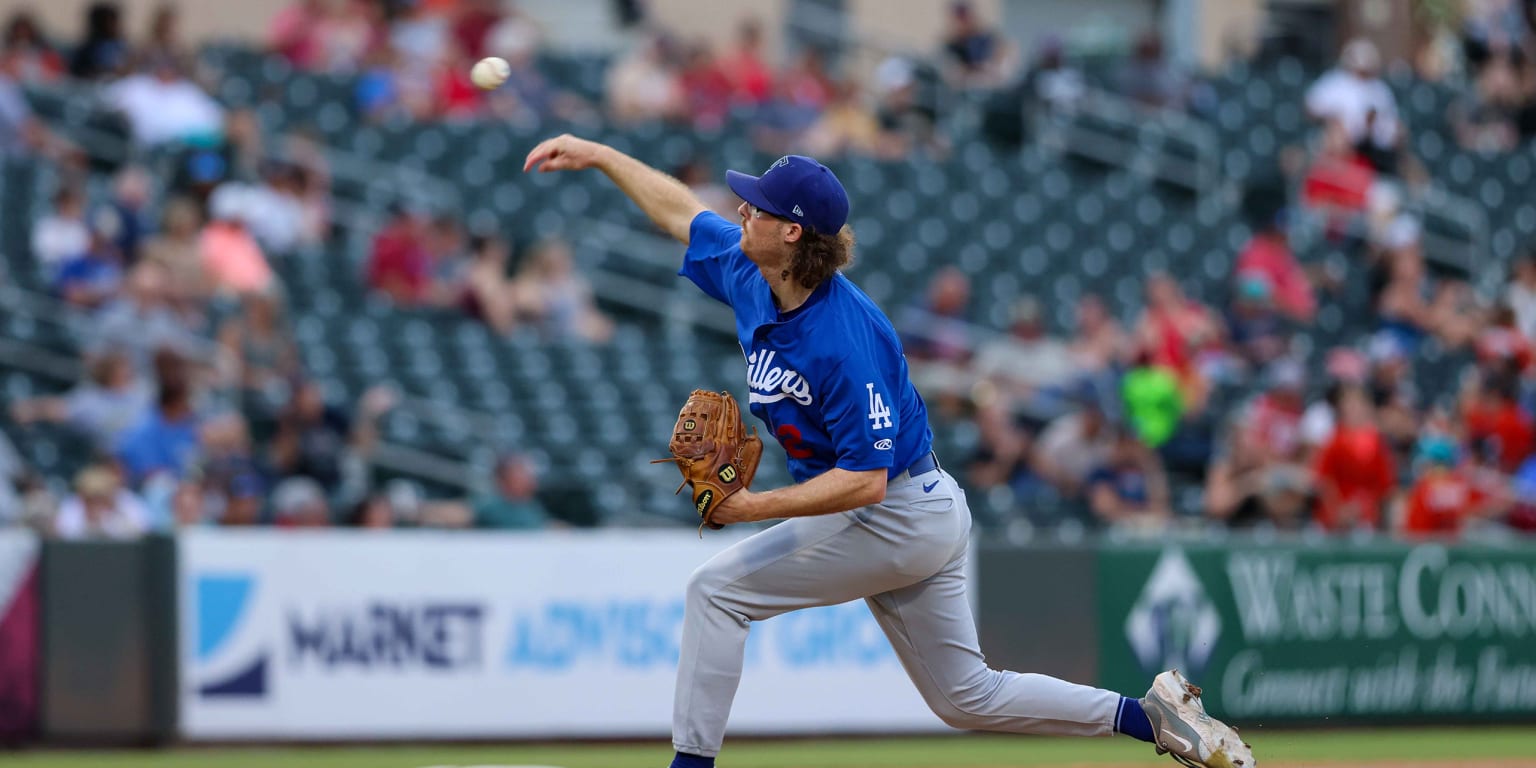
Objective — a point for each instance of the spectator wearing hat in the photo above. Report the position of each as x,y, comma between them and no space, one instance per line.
232,259
101,508
1353,96
1028,359
1442,499
300,502
1268,255
1355,472
1259,332
1271,423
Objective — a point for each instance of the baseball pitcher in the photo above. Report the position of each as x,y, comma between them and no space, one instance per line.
872,514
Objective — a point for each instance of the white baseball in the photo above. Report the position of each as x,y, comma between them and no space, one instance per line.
490,72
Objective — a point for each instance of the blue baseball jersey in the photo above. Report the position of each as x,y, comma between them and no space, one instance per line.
828,378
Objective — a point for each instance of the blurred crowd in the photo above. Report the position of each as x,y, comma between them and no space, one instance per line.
194,401
1103,424
199,411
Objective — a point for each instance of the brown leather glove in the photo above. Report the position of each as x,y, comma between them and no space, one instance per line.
714,451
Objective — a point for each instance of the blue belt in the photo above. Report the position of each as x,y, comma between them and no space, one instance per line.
928,463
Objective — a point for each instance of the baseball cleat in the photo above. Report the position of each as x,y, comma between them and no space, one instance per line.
1184,730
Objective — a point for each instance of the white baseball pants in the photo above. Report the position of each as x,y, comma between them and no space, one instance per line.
906,558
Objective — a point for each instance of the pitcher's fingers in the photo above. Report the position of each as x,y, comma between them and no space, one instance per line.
542,153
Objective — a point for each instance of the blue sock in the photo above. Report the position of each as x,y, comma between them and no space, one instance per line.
685,760
1132,721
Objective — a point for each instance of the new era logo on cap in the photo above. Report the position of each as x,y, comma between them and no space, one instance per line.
819,201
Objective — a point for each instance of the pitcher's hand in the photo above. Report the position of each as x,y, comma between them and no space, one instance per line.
564,153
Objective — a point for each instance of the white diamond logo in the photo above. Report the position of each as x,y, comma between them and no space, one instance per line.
798,212
1173,623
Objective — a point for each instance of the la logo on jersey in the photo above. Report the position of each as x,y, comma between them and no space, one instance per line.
770,383
879,413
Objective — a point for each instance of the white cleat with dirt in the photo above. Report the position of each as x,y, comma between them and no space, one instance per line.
1184,730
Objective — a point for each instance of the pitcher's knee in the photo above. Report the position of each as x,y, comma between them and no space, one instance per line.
966,707
956,716
706,582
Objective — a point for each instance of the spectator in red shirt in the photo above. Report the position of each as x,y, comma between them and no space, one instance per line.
25,54
400,265
1269,254
1178,332
1338,180
475,21
1354,470
1272,423
706,89
1492,412
751,79
1442,498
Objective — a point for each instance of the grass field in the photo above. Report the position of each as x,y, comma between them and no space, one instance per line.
1470,747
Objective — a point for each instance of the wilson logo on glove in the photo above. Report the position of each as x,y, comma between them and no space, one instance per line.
713,450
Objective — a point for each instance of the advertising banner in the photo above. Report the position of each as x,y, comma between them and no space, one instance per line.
19,653
1327,630
343,634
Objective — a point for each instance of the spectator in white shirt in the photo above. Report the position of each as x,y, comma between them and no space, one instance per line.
1353,96
162,106
101,508
62,234
1521,294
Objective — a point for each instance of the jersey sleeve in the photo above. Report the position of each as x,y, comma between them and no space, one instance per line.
856,408
714,261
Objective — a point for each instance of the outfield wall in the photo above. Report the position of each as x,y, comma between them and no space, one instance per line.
264,635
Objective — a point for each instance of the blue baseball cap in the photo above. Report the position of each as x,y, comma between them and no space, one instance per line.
796,188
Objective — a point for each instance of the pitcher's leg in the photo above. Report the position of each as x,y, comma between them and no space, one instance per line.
931,628
799,563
